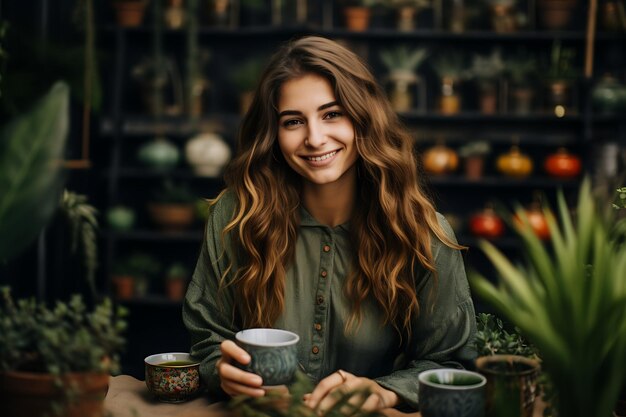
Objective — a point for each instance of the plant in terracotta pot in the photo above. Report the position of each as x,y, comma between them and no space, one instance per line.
176,278
450,68
556,14
402,63
473,154
521,71
131,275
129,13
561,76
172,206
357,13
504,16
568,299
57,360
486,70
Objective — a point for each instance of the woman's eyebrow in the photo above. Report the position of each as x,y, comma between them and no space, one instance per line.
297,112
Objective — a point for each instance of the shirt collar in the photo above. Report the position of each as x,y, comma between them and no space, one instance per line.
307,220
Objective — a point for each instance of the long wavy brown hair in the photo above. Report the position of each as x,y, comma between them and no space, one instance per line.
395,220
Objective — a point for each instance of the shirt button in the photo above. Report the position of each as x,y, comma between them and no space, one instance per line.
318,327
315,350
320,299
326,248
324,273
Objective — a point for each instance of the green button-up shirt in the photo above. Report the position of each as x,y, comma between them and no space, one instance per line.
317,310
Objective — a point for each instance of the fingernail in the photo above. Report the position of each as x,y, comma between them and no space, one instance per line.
257,380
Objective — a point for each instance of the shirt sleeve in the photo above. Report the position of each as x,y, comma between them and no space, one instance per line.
207,314
442,336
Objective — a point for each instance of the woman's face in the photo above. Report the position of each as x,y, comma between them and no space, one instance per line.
315,134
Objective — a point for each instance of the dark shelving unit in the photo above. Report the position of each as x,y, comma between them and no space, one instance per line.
124,126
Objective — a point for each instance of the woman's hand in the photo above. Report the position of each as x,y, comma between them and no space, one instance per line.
342,382
235,381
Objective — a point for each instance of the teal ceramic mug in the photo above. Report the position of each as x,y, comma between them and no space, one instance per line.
451,393
273,353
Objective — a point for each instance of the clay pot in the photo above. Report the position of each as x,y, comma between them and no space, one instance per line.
124,286
130,13
172,216
556,14
357,18
31,394
175,288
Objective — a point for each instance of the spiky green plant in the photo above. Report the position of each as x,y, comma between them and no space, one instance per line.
569,299
280,404
403,58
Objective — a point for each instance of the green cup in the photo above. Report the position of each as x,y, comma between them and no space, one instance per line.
451,393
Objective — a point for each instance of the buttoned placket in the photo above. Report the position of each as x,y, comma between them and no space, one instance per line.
322,299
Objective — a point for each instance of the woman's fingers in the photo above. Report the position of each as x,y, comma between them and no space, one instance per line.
325,386
231,351
235,381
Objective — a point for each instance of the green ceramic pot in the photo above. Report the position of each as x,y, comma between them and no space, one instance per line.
159,154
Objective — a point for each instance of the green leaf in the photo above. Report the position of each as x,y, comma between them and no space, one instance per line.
31,150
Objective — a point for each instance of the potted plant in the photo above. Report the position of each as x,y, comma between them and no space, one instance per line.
473,153
511,366
407,11
521,70
245,77
486,71
402,62
172,206
131,276
130,13
357,14
561,76
57,360
504,16
569,301
450,68
176,278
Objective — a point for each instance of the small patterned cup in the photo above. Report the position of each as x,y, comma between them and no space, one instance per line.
273,352
172,377
451,393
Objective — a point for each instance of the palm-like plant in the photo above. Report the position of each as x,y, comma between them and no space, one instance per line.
403,59
570,301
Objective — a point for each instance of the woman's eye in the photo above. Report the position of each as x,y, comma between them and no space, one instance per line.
333,114
291,122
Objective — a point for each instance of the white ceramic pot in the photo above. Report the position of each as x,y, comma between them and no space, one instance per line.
207,153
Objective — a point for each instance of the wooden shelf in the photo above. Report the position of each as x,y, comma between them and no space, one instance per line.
156,235
501,182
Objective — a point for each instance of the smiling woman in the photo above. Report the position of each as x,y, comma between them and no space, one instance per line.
324,230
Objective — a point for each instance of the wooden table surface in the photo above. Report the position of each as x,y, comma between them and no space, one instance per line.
129,397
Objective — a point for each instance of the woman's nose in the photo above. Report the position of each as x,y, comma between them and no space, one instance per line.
316,136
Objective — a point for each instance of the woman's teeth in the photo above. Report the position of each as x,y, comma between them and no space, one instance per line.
323,157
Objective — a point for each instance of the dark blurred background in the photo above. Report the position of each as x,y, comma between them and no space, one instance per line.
529,93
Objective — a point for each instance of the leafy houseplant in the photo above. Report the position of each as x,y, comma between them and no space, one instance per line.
172,206
521,70
474,154
57,360
486,70
176,278
569,301
402,63
245,77
450,69
132,275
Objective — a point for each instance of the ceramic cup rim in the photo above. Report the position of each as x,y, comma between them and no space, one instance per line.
148,360
294,338
422,377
